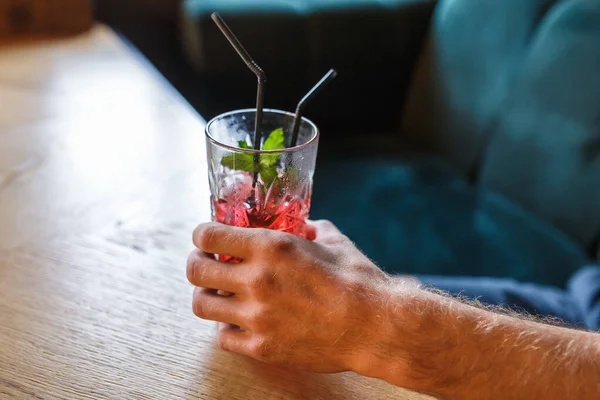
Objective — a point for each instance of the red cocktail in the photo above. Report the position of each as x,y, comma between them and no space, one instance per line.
269,188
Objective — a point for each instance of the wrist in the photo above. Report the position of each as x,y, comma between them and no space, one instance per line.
386,353
416,340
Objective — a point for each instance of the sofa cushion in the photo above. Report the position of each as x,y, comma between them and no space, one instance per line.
466,72
416,215
545,153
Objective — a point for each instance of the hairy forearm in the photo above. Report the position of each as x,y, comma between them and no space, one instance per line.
436,344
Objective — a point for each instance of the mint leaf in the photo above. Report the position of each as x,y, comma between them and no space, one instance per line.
239,162
274,141
267,164
244,145
268,160
268,175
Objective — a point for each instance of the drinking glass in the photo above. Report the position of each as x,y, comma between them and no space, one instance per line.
261,188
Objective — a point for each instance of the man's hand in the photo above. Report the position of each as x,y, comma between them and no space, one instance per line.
322,305
312,304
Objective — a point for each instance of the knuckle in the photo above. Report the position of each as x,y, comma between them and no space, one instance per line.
195,268
258,319
283,244
199,307
261,349
207,236
262,280
223,342
190,267
263,241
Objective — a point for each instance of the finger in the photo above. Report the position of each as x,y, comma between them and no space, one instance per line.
311,232
207,304
223,239
232,338
204,271
326,231
324,227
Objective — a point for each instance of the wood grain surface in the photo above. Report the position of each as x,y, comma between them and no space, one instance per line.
102,179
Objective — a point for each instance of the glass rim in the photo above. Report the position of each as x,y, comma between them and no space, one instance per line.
311,141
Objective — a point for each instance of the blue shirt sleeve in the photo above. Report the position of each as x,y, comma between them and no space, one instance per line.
578,306
584,288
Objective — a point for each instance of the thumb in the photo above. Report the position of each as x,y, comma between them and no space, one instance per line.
324,230
311,231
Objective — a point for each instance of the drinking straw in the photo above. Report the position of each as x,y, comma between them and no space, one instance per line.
262,78
305,100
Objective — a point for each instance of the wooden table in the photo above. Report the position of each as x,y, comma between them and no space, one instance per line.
102,179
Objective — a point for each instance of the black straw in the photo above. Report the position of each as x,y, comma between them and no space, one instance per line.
305,100
262,78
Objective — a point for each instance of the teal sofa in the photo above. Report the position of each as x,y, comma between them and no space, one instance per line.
463,137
